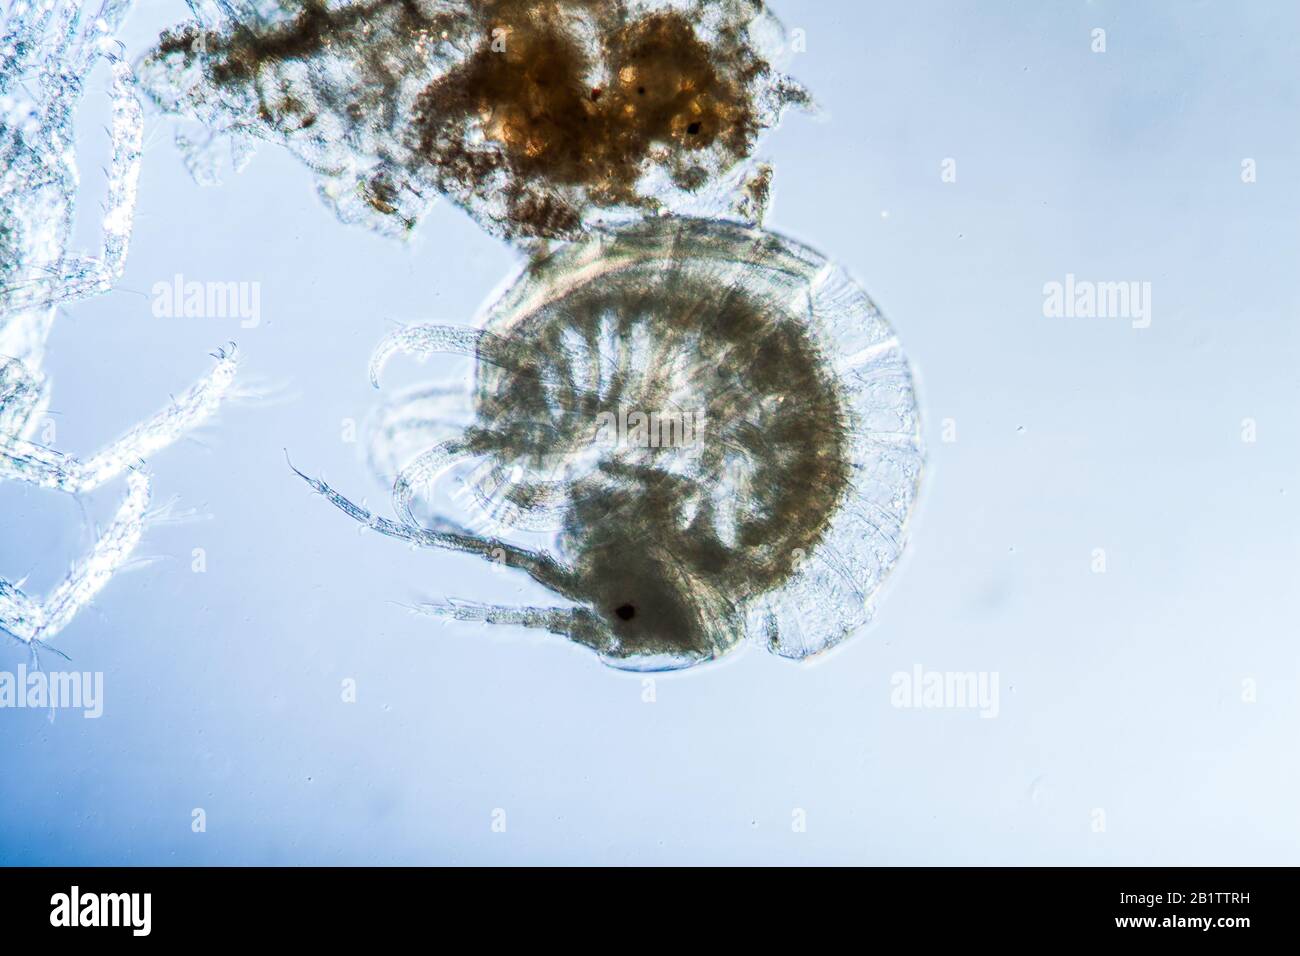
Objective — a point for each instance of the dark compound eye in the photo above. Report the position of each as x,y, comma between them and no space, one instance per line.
693,128
625,612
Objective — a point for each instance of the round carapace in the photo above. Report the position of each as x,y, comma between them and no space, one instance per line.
714,428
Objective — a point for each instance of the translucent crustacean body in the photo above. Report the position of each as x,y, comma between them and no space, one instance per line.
537,116
716,428
47,49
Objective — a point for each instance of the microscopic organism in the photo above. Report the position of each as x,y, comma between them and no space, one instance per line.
539,117
47,49
712,426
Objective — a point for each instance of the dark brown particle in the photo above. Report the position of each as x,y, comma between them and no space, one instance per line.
533,111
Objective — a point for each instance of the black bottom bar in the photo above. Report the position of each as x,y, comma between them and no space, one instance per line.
331,905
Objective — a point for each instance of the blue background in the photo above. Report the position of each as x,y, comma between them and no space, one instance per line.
1120,691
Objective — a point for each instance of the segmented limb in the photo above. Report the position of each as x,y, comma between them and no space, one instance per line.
548,499
422,472
29,619
22,393
557,620
38,187
538,564
576,623
79,277
410,422
35,464
423,341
